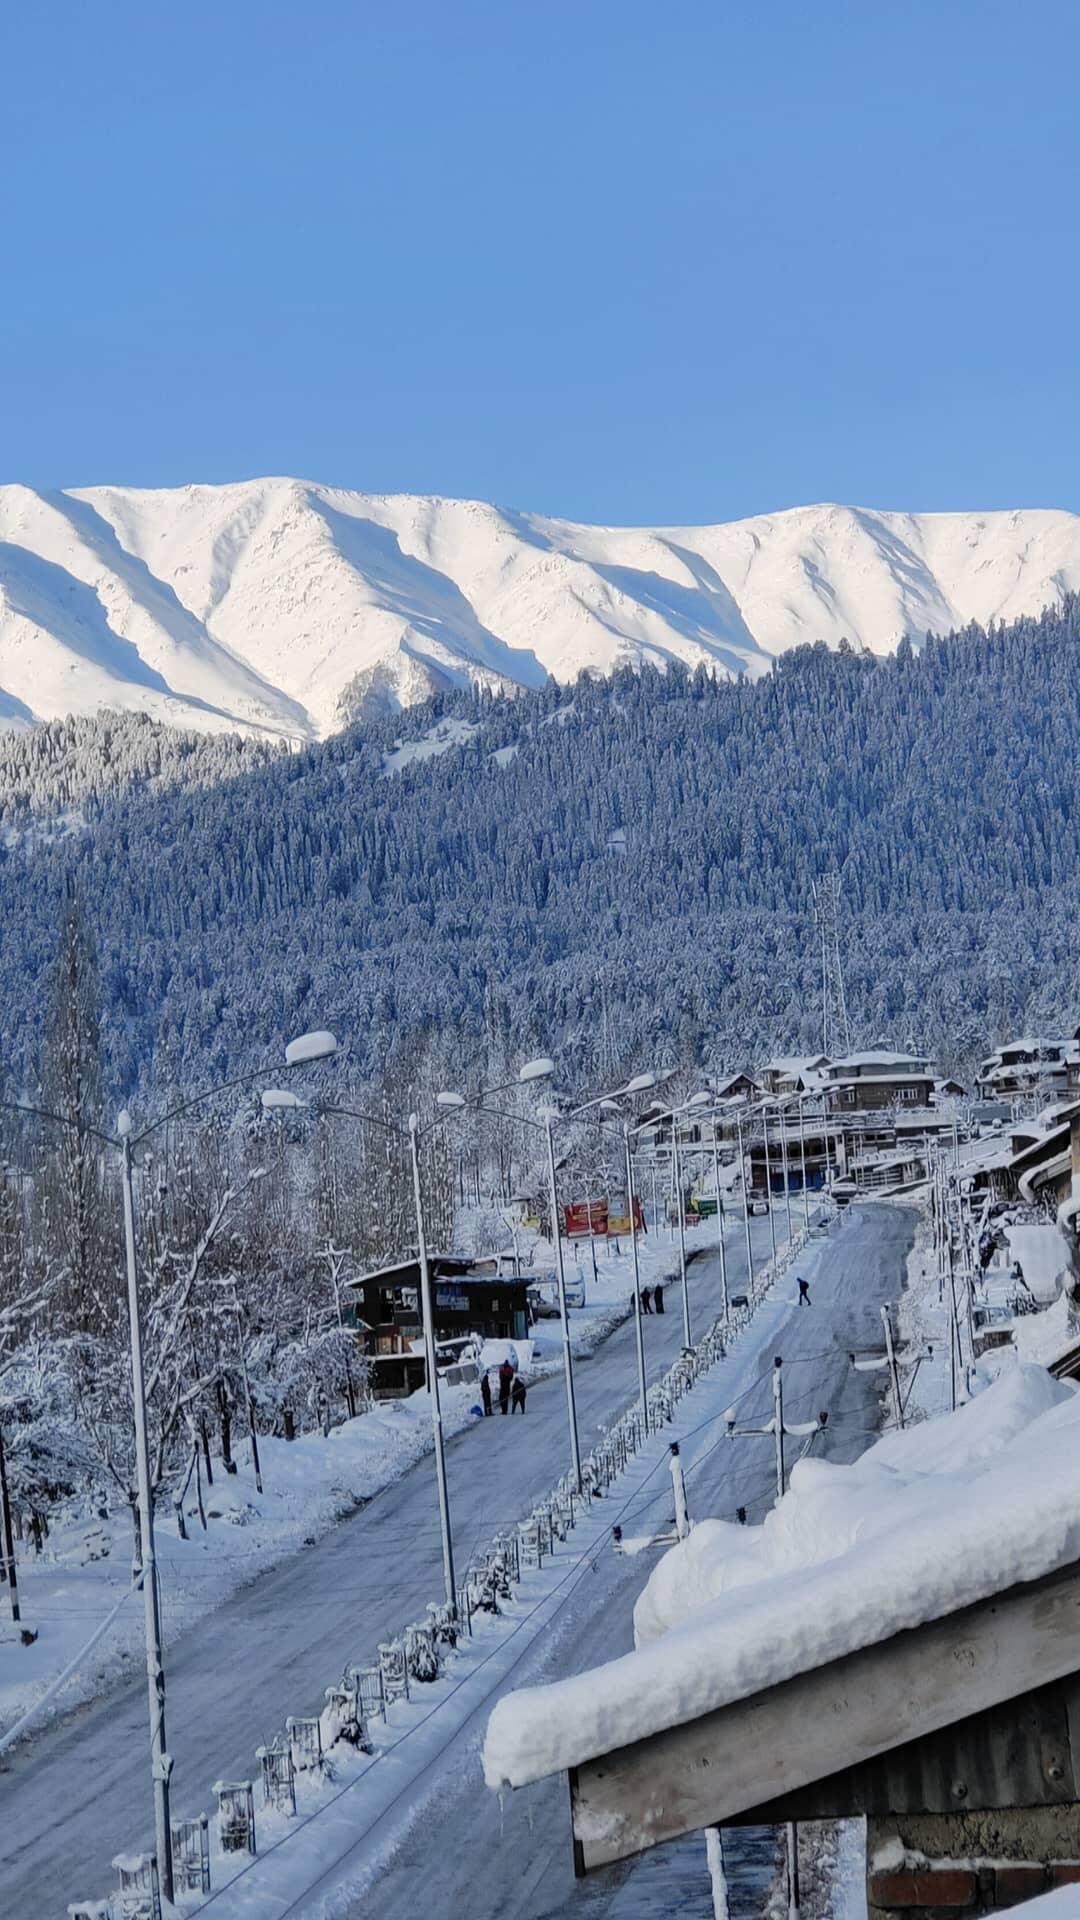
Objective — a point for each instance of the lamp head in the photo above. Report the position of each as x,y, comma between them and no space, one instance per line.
539,1069
277,1097
318,1045
640,1083
448,1099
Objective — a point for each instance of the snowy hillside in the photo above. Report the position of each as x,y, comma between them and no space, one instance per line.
286,606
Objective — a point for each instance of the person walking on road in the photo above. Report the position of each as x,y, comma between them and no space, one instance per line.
658,1296
485,1391
646,1299
517,1394
804,1293
506,1376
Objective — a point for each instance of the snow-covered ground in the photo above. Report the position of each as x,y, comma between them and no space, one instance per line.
308,1484
272,1647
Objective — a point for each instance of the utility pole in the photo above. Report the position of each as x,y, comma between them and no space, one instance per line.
249,1402
568,1363
677,1170
720,1220
714,1853
768,1177
160,1762
8,1562
643,1389
432,1371
834,1015
779,1427
745,1207
894,1376
802,1154
786,1171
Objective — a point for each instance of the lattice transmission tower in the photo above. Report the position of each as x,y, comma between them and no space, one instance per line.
835,1033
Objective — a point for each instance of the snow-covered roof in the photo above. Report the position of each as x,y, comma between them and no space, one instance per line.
795,1063
928,1521
852,1061
1044,1170
890,1077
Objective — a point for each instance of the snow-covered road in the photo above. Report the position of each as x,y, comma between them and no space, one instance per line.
78,1793
467,1853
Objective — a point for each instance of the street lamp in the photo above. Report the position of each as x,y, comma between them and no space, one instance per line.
655,1119
768,1175
640,1083
300,1052
413,1133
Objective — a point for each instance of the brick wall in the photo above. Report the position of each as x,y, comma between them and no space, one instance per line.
933,1866
942,1889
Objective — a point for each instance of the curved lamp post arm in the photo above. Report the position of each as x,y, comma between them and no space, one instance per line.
60,1120
211,1093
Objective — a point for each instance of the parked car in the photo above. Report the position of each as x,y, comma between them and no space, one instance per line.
759,1204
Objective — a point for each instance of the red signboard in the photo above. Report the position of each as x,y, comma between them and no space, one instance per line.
585,1217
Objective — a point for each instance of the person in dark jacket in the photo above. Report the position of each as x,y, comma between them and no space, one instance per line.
658,1297
804,1293
517,1394
485,1390
506,1376
646,1299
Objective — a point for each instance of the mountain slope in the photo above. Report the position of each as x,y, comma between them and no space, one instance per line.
618,874
282,606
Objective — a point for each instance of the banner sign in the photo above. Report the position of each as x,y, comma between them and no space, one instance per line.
585,1217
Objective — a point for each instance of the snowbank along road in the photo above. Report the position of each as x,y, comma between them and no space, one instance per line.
78,1792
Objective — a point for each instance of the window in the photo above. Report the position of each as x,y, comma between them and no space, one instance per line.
909,1093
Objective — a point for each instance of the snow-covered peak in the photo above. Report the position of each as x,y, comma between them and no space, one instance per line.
279,604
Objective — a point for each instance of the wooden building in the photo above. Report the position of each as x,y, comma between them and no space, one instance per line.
384,1307
871,1082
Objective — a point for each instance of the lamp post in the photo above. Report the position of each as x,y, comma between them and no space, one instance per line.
719,1218
802,1153
542,1069
427,1314
768,1174
307,1048
639,1083
411,1135
745,1206
782,1115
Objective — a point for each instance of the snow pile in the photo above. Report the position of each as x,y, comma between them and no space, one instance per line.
1043,1337
309,1484
925,1522
1041,1253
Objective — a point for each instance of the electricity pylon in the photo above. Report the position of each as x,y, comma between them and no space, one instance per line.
835,1034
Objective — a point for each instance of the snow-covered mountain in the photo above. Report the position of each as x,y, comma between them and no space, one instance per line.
280,605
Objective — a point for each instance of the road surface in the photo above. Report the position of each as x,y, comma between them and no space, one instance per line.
473,1855
78,1792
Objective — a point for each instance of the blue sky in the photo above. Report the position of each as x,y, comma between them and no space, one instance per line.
619,261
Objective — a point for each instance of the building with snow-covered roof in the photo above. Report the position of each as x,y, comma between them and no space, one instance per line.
792,1072
1032,1067
867,1082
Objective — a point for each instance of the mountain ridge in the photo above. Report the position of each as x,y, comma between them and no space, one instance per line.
286,607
